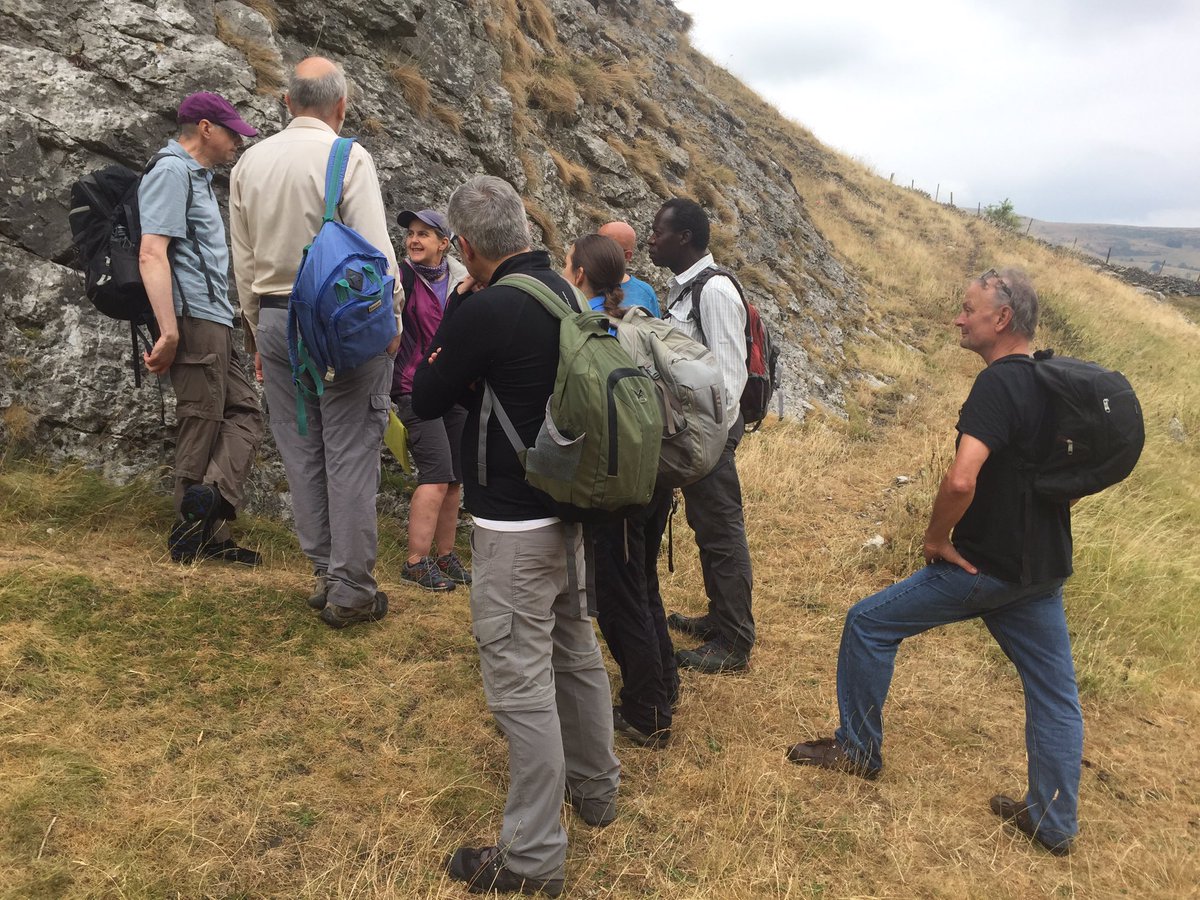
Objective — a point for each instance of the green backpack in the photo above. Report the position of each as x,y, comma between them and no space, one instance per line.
598,447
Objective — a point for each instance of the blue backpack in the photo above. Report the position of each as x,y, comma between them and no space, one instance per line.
340,312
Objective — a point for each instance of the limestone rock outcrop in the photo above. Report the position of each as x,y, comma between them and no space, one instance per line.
593,110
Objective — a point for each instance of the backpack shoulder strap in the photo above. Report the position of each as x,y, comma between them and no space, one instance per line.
697,287
541,292
335,176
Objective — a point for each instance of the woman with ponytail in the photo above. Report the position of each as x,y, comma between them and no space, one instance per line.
628,605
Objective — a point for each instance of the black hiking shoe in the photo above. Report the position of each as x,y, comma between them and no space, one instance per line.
197,510
696,626
343,616
228,551
713,658
653,740
483,872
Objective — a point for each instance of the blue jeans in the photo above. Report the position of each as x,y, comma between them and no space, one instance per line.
1031,628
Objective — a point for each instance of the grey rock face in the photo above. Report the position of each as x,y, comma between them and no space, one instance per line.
83,85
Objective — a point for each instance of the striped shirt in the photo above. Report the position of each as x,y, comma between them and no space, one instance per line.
724,317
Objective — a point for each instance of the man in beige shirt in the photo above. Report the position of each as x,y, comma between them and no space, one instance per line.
276,201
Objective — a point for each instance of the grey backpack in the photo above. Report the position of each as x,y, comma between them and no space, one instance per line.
691,394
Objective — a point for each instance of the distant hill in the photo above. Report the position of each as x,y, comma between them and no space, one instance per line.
1145,248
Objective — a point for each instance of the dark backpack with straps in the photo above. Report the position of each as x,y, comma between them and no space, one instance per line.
1098,428
106,229
762,356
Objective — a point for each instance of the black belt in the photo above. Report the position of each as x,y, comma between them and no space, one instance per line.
273,301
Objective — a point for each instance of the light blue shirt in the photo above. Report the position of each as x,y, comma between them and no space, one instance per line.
162,199
638,293
597,305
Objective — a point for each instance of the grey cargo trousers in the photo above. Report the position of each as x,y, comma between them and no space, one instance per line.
545,683
333,471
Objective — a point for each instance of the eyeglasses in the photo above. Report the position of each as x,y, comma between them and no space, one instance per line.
992,273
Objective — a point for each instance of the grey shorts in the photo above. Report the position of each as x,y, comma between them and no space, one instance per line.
435,444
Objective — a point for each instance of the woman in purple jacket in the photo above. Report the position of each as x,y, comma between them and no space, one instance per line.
429,277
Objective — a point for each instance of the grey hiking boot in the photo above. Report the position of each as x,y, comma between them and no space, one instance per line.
483,871
594,811
343,616
320,589
425,573
452,567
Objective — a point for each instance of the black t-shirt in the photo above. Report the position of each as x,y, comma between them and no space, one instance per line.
504,335
1009,412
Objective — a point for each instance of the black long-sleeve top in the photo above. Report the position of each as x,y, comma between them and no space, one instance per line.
507,337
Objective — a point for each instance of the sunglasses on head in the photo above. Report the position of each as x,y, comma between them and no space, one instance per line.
992,273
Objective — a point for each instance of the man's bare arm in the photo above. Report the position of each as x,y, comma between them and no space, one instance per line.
955,494
156,276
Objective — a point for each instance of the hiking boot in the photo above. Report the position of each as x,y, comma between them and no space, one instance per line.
228,551
197,510
696,626
827,753
452,567
483,871
320,589
653,740
1017,813
425,573
593,811
714,658
342,616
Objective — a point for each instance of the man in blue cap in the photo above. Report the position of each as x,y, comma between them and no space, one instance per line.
184,262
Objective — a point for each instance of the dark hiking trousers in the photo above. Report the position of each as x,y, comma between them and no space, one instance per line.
714,511
630,613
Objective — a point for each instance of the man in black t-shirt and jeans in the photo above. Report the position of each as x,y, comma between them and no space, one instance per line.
1006,562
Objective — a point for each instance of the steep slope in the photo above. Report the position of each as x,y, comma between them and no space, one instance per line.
593,110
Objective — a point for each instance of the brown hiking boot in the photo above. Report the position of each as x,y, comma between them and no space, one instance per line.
827,753
1017,813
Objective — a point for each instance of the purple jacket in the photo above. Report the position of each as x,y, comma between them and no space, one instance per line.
420,320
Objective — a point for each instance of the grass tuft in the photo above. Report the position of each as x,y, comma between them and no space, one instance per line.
413,86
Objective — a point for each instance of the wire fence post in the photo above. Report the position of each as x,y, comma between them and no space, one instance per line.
1107,255
1030,225
937,193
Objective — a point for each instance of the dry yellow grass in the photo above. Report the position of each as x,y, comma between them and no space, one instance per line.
264,61
576,177
553,91
545,223
413,86
448,116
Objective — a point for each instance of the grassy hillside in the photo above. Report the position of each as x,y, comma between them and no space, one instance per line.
195,732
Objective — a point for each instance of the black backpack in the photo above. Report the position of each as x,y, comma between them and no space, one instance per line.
1098,428
107,232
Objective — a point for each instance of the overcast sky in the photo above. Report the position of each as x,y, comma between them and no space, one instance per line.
1077,110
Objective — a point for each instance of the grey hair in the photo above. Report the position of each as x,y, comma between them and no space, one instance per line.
488,212
320,94
1021,298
